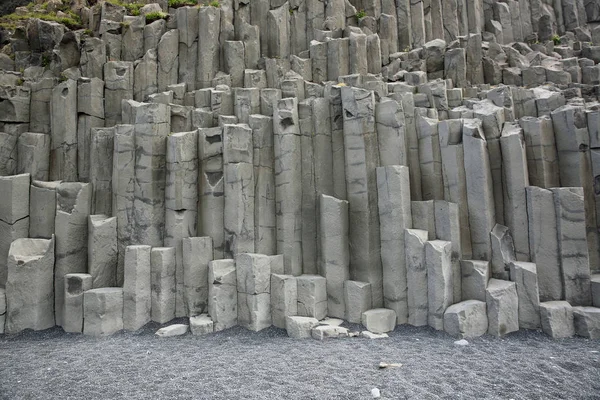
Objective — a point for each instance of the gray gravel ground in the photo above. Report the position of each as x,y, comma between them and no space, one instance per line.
237,364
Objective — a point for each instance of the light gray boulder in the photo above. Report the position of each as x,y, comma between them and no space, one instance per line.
379,320
173,330
557,319
467,319
201,325
300,327
587,322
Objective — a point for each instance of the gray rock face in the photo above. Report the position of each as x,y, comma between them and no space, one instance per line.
502,307
467,319
102,311
29,288
557,319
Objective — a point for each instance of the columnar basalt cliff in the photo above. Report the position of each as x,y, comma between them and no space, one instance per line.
258,163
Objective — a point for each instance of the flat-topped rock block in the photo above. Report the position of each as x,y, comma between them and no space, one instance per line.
502,307
322,332
557,319
300,327
379,320
312,296
201,325
102,311
587,322
467,319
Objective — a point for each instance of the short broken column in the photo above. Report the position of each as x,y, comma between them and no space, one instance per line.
238,171
393,187
253,291
137,299
467,319
162,281
42,209
29,286
416,276
502,307
102,311
288,187
475,277
197,253
312,296
335,253
222,294
14,215
284,299
63,151
358,299
73,202
438,262
75,286
524,274
557,319
102,250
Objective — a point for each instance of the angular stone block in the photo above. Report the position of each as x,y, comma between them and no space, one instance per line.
322,332
312,296
300,327
358,299
254,311
557,319
173,330
587,322
502,307
201,325
29,286
102,311
467,319
475,277
379,320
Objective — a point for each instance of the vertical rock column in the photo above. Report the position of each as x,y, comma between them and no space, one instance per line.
211,187
334,94
288,188
118,85
335,252
167,54
362,157
29,289
14,215
572,245
439,281
393,190
102,250
181,201
63,150
265,225
75,286
123,193
253,272
542,162
197,253
515,179
404,20
416,276
162,268
238,171
152,126
187,24
543,242
101,169
34,155
222,294
137,298
480,193
391,133
42,209
90,108
73,202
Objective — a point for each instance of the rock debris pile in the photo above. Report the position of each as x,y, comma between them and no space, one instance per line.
261,163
